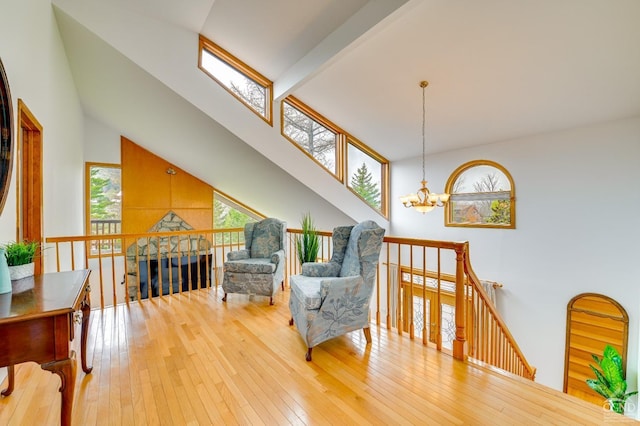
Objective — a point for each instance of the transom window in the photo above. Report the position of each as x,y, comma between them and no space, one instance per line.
365,172
246,84
482,195
313,134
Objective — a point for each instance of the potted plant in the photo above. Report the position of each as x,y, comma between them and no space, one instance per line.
610,380
20,257
307,243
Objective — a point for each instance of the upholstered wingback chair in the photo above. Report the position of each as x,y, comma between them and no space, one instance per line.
331,299
259,268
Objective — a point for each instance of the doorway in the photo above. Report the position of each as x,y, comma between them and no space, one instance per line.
29,179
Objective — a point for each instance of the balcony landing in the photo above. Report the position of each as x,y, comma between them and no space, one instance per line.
192,359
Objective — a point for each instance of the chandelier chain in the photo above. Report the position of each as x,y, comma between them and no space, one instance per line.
424,113
424,200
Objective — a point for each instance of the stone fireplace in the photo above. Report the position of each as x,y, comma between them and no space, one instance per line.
180,249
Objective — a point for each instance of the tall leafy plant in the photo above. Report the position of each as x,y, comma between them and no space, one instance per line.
610,379
307,243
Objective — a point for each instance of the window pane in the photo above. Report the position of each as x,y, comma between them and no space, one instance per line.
227,214
481,179
252,93
310,135
105,206
365,176
481,211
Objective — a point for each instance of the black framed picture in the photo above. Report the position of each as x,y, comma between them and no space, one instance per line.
6,136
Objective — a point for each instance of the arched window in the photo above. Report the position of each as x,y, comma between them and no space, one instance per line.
482,196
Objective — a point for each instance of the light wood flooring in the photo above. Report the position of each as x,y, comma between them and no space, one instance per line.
194,360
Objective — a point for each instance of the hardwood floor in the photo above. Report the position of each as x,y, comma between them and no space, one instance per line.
194,360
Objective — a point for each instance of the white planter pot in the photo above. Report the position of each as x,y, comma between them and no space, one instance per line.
21,271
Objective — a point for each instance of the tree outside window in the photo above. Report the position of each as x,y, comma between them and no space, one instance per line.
366,176
104,205
310,135
229,214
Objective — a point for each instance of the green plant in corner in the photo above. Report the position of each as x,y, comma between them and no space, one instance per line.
610,382
307,243
21,253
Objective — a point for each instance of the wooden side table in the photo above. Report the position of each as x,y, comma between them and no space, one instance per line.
36,324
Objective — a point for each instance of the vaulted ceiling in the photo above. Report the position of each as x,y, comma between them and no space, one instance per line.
498,69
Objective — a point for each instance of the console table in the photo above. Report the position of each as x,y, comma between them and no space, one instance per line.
36,324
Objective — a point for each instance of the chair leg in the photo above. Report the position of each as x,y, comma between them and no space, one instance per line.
224,299
367,334
291,321
308,356
270,301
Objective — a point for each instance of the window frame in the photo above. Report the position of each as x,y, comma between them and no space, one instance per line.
384,173
241,67
448,213
343,139
87,198
340,134
237,205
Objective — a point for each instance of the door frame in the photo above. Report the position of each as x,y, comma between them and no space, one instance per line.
29,189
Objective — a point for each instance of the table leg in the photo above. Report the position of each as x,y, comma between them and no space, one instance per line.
86,311
66,369
11,380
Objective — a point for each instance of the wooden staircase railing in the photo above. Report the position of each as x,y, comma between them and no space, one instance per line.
489,339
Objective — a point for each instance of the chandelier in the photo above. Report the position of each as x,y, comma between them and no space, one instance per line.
424,201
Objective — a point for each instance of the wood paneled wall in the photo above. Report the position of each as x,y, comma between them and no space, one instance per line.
150,190
593,321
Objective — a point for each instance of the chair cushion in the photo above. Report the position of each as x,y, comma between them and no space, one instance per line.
307,290
250,266
351,262
266,238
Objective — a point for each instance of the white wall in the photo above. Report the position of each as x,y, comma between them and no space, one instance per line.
115,89
38,73
576,201
212,154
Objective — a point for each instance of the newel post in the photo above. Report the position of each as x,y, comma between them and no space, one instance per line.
459,351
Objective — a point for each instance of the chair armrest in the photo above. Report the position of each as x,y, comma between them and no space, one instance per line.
317,269
277,257
339,286
238,254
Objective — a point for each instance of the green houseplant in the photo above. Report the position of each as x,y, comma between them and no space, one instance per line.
20,256
307,243
610,380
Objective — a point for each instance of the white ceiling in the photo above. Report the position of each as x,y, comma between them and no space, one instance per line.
498,69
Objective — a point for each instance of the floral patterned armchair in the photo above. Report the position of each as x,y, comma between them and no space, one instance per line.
259,268
331,299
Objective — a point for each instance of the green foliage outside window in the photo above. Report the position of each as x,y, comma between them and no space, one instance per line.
105,206
105,186
362,183
225,217
500,212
